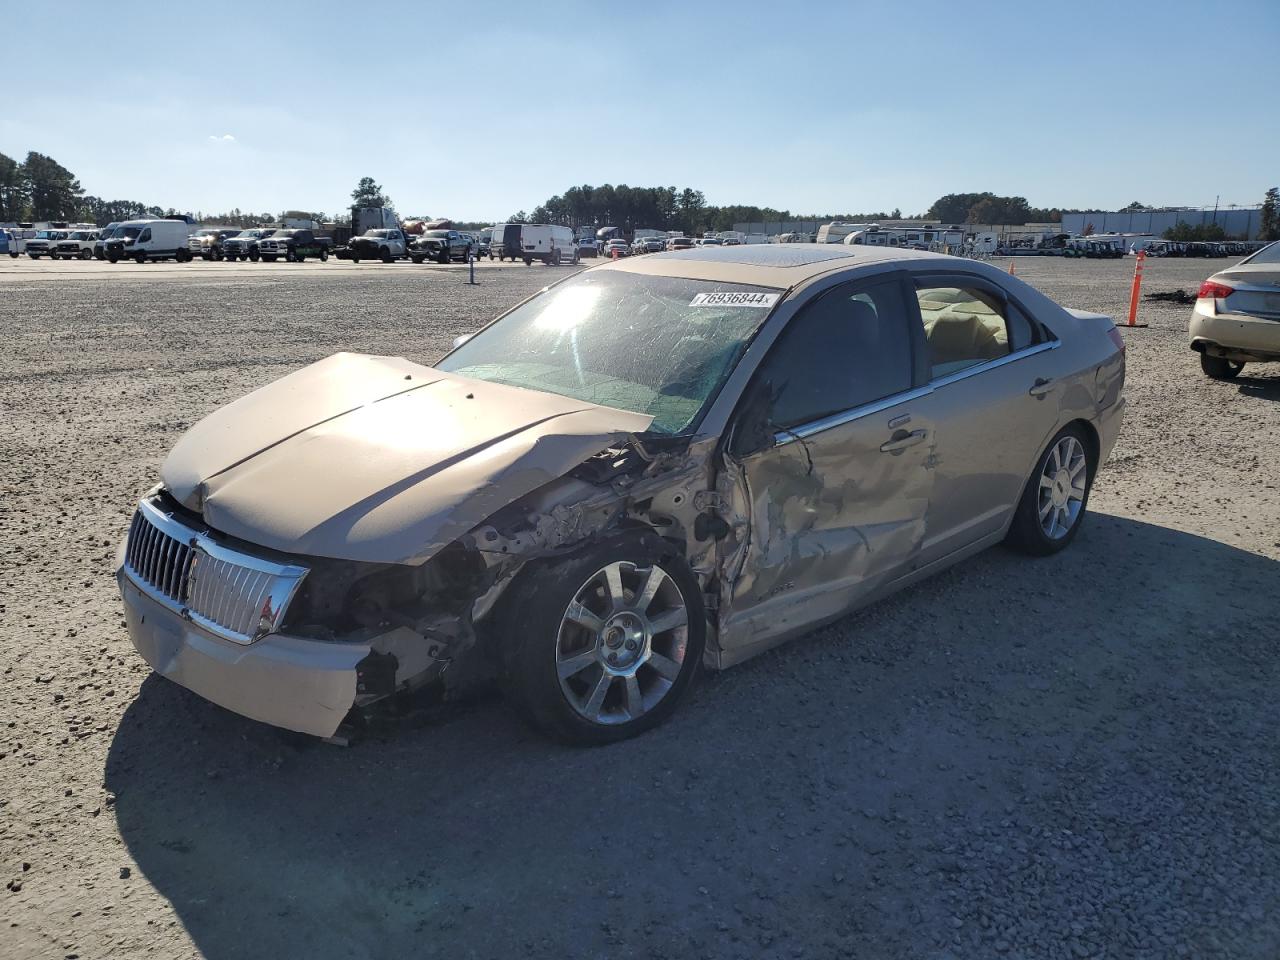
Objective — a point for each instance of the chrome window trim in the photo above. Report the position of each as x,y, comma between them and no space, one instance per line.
997,362
806,430
286,578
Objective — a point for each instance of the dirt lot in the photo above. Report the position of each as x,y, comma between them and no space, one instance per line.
1074,757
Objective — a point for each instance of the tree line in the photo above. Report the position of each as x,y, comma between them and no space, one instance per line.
660,208
41,189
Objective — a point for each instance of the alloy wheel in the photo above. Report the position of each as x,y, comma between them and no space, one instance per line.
1063,484
622,642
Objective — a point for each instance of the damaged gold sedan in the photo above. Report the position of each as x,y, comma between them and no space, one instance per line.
658,463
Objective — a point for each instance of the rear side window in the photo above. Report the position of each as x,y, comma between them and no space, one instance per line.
850,347
965,326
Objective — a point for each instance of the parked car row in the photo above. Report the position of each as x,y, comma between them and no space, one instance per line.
1194,248
618,247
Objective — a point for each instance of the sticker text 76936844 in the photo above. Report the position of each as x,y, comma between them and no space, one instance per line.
731,298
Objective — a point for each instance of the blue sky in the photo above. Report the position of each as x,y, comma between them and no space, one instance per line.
473,110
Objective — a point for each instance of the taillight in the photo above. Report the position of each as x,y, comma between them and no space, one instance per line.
1212,290
1118,340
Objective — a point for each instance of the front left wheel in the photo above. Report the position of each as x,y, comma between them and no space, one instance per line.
604,644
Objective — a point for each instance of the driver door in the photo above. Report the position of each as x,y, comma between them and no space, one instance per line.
831,448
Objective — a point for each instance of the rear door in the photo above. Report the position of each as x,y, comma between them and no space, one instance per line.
832,445
996,393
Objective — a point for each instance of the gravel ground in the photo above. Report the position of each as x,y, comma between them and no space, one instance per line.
1072,757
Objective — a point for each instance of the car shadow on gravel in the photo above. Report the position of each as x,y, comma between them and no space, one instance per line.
1263,388
883,787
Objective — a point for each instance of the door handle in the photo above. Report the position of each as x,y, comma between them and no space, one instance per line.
901,440
1042,386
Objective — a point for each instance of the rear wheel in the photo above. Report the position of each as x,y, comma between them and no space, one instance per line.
605,643
1053,502
324,254
1220,368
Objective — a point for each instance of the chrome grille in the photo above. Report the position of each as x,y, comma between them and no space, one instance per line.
231,594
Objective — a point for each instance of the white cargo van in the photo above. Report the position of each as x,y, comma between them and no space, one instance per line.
547,242
144,240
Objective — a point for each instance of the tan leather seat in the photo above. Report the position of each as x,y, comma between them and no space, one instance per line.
958,337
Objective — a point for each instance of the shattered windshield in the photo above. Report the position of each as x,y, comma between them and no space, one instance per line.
655,345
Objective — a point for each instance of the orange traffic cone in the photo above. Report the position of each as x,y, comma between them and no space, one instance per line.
1011,270
615,253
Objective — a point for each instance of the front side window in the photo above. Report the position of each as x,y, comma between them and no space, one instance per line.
850,347
965,326
145,235
662,346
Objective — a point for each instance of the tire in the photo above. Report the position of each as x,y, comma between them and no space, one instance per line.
1220,368
269,258
355,259
34,256
324,254
86,254
1056,498
386,255
416,259
140,256
299,258
217,255
528,262
544,644
290,256
113,257
206,257
254,255
13,254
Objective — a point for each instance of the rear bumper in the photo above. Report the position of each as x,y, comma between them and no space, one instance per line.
290,682
1227,334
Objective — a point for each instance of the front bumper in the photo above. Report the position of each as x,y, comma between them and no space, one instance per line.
290,682
1233,333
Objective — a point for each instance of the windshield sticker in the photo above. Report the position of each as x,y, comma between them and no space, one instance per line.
731,299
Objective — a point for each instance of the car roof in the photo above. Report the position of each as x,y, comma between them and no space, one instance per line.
765,264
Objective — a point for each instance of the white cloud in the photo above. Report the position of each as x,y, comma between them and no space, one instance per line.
225,137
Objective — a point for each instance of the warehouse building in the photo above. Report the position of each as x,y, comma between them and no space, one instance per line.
1242,223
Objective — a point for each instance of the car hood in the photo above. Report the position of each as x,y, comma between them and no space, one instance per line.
378,458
